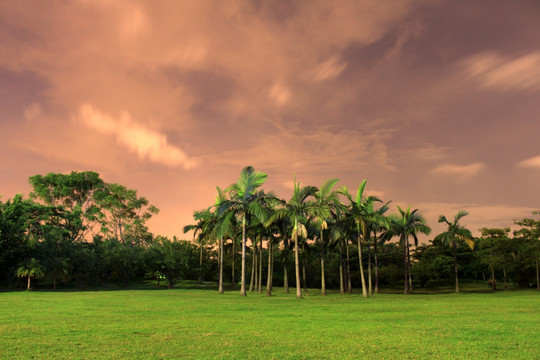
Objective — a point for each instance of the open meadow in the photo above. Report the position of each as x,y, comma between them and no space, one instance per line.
200,323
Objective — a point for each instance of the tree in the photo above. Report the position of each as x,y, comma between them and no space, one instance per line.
123,213
380,224
16,219
530,231
298,209
171,259
455,231
74,192
325,198
360,213
31,269
221,197
405,225
244,200
202,230
123,218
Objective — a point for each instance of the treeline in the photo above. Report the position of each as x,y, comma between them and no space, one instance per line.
347,238
76,230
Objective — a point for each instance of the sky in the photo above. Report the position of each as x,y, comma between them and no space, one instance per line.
435,103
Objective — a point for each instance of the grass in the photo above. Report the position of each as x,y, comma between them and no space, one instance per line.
199,324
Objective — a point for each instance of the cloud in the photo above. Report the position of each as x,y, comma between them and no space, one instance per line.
329,69
462,171
533,162
429,152
146,143
280,95
497,72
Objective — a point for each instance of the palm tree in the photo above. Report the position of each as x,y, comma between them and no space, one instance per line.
245,200
455,231
407,224
376,222
201,230
221,197
360,213
31,269
379,224
298,209
325,198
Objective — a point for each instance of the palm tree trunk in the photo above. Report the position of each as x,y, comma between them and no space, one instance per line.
455,264
348,268
270,270
28,283
405,267
364,291
376,259
200,262
285,278
493,281
341,280
297,263
537,274
233,279
221,266
409,267
505,280
259,286
370,285
243,279
253,264
323,284
285,258
304,269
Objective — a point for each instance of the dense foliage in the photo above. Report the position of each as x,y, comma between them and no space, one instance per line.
77,230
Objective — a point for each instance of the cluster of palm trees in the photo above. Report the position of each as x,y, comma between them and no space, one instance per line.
326,216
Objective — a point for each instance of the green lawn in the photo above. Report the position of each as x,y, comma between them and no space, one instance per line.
200,323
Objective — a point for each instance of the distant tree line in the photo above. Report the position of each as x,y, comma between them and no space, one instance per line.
77,230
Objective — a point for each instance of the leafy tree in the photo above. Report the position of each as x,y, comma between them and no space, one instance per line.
123,214
123,217
530,232
489,245
74,192
455,231
16,218
171,259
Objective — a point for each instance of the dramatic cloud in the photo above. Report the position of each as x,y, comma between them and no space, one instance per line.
533,162
146,143
497,72
348,89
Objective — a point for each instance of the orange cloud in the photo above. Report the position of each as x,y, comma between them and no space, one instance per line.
329,69
146,143
462,171
533,162
494,71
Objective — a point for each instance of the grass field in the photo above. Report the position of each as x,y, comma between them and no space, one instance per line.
200,323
